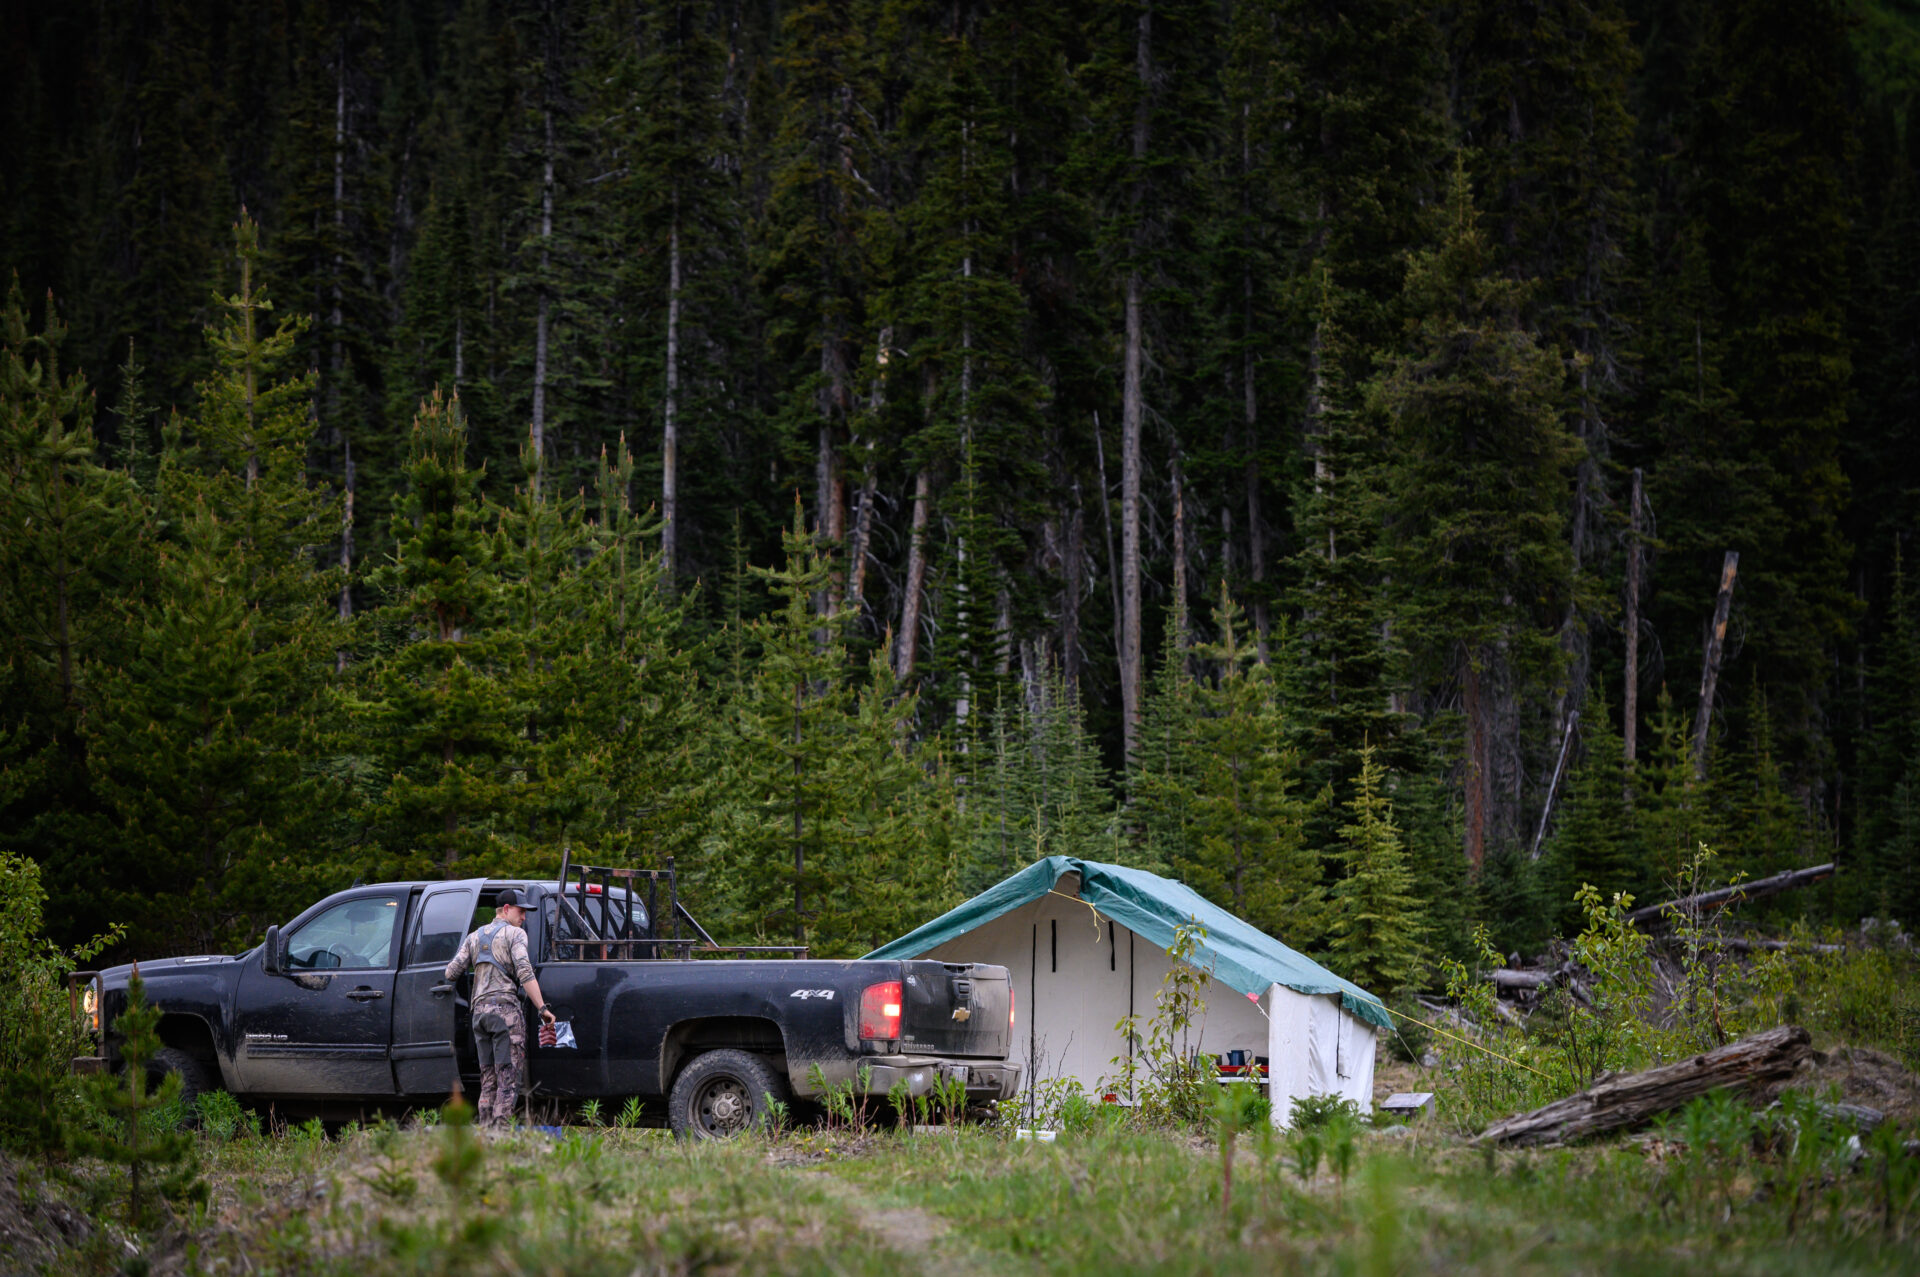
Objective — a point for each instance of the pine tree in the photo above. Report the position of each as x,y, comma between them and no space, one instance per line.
141,1144
1672,807
438,713
1152,106
1479,486
75,554
1887,836
824,786
1772,146
1766,830
1340,665
1037,788
1544,102
1378,932
660,114
1595,840
632,692
1246,839
200,743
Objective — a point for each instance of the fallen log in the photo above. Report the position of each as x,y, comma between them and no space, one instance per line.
1506,978
1620,1102
1735,944
1654,917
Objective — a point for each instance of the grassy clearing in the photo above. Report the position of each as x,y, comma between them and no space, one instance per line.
1112,1200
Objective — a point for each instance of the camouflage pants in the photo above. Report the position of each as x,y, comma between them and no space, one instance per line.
500,1039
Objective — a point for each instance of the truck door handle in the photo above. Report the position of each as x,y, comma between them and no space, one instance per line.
441,990
365,995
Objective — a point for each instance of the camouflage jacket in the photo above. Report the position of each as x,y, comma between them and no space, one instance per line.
501,968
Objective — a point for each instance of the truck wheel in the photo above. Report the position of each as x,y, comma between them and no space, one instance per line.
722,1094
193,1075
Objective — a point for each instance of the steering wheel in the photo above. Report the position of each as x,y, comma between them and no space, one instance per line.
342,957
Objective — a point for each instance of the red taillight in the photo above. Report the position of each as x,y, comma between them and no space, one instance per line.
1010,1008
880,1011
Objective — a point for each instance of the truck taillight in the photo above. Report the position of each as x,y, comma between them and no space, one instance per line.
880,1011
1010,1016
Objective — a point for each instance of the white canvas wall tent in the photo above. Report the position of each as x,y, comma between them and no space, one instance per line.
1087,944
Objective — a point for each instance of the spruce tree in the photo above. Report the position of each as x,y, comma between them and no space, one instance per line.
1595,839
1245,841
823,785
1378,927
1036,787
438,714
1887,835
75,557
1479,480
201,741
141,1143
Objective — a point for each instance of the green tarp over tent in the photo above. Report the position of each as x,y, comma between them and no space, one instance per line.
1233,952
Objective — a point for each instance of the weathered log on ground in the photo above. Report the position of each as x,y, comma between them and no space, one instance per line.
1736,944
1507,978
1653,917
1628,1100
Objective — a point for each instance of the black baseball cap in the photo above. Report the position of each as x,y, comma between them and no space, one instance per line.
511,896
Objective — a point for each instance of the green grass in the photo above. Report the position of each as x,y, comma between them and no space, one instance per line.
1113,1201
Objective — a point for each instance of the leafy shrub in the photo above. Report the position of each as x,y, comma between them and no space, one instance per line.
1314,1111
221,1117
40,1100
1168,1078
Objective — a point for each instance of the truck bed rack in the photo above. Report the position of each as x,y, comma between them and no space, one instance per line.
596,902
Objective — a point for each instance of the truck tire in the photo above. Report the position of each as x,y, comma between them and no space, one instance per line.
193,1076
722,1094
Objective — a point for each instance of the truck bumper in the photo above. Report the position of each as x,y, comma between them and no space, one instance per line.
984,1079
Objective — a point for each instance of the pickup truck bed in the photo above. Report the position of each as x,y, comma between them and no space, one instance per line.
348,1005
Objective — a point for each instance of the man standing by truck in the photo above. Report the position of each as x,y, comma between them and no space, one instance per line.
497,953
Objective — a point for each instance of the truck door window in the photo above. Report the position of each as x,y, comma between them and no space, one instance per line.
356,934
443,924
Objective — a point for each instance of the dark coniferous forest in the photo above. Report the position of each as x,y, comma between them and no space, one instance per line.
1386,464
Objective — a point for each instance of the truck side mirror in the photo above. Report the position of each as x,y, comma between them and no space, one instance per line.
270,958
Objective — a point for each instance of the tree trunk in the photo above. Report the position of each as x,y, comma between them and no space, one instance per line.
1477,778
337,356
1630,711
1133,409
541,322
799,844
1070,594
1755,1064
907,644
1106,519
1710,667
345,605
1179,564
869,483
670,425
1256,538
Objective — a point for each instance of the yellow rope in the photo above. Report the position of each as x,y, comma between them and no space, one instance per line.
1090,909
1434,1028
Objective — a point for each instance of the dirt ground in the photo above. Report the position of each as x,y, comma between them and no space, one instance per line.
1868,1077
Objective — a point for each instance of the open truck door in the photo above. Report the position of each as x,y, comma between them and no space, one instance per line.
430,1015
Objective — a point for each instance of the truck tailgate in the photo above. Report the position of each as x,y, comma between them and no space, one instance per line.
955,1008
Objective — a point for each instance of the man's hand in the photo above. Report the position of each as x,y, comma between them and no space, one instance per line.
546,1015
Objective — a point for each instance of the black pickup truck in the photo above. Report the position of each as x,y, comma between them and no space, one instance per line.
347,1006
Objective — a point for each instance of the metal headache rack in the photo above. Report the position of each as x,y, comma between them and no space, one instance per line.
599,904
